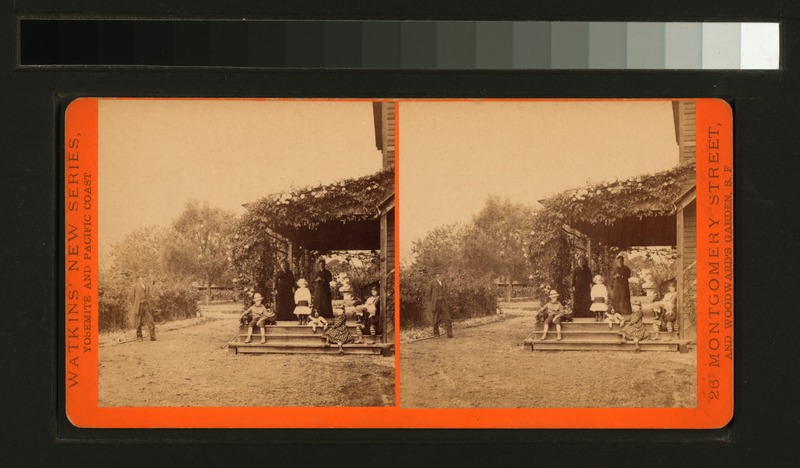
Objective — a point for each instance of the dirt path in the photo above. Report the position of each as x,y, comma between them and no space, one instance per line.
186,367
484,367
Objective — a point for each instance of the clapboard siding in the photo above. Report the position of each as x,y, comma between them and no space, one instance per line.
690,231
685,113
687,131
388,125
387,271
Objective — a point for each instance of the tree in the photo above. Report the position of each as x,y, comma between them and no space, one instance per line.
442,248
199,244
469,293
496,242
139,253
142,253
653,263
362,268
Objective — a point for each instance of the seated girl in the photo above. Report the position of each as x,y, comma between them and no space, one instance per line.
316,320
666,309
612,316
369,307
338,332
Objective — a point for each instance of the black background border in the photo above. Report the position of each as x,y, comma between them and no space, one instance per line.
33,428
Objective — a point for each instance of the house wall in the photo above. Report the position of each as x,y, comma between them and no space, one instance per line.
686,130
388,132
387,275
685,113
689,255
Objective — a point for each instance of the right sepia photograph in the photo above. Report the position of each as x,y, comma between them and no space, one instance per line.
548,254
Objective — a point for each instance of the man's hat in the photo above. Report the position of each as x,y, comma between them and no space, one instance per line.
554,293
257,297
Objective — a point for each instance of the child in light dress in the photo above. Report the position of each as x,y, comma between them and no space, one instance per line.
612,316
599,295
368,309
316,320
302,300
665,310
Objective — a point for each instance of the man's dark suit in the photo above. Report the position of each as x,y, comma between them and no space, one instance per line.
139,304
437,307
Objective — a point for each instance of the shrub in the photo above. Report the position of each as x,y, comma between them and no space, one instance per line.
112,301
170,299
173,298
520,291
467,296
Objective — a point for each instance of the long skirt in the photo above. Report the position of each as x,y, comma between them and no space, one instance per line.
338,331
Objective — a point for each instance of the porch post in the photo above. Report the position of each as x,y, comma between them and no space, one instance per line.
679,274
589,249
384,271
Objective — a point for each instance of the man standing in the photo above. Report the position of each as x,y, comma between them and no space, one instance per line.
437,305
139,308
622,289
582,287
284,288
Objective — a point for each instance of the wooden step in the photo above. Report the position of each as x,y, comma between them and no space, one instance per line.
295,338
379,349
570,326
291,329
604,335
284,338
589,345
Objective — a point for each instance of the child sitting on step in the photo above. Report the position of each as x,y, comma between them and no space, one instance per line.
338,332
316,320
553,312
368,309
667,309
599,295
612,316
260,316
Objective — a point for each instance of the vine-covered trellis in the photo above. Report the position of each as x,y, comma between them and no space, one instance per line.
304,224
614,216
344,201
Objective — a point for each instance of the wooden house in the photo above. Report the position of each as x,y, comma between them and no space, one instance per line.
352,214
652,210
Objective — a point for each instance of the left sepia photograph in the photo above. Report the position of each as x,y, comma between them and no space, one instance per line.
245,253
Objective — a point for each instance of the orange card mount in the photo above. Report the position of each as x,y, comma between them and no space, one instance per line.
110,377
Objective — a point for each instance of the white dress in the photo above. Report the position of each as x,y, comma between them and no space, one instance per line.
599,291
302,298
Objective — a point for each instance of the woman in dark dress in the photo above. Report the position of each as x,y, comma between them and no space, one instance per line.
322,291
284,292
581,295
622,289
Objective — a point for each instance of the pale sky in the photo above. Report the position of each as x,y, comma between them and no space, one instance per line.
453,155
155,155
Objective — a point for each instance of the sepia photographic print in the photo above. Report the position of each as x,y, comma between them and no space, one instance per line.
398,264
548,254
245,253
